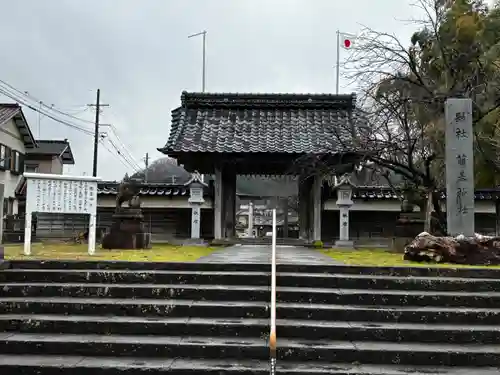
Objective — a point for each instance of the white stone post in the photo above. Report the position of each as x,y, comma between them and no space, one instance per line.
196,200
344,202
459,167
250,219
344,223
195,220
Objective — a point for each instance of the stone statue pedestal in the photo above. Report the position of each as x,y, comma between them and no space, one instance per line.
127,231
408,226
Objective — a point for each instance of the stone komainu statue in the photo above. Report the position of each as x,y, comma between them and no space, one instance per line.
128,191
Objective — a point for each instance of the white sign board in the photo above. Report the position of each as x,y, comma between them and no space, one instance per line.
64,195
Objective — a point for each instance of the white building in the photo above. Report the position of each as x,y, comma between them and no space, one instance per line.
20,152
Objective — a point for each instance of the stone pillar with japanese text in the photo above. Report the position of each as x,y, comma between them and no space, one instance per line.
459,167
196,200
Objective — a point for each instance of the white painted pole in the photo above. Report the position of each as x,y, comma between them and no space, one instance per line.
92,233
272,335
27,232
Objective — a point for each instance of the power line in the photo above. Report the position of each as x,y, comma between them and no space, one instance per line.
28,105
136,167
51,107
118,139
23,101
130,159
25,98
112,153
122,144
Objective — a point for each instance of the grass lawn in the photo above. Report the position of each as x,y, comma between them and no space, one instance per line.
159,253
384,257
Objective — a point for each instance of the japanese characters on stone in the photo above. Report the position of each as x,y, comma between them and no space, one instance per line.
459,167
461,161
196,215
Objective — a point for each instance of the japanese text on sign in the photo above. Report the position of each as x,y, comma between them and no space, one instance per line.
62,196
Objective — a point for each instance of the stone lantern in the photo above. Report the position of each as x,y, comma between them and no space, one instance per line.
196,186
344,201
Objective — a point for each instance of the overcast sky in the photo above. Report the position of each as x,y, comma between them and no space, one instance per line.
138,54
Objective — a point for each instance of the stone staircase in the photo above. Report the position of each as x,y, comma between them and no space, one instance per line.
98,318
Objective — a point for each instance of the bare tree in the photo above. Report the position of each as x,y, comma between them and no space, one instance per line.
403,87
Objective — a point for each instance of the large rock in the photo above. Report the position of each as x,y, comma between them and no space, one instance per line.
478,250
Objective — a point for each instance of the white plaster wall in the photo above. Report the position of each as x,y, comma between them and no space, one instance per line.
330,205
153,202
389,205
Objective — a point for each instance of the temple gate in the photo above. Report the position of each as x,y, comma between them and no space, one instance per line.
264,134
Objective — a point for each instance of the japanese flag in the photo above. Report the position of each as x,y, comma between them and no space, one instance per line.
346,40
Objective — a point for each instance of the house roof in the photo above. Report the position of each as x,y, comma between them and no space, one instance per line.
260,123
169,190
172,190
384,193
54,147
14,112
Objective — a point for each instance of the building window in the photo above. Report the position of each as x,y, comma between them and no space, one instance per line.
16,162
3,156
31,168
8,157
7,206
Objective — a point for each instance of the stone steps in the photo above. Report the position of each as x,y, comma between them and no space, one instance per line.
189,267
198,347
116,317
255,293
321,279
243,327
247,309
77,365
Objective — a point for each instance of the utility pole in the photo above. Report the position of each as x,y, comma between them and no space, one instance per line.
97,106
203,72
146,162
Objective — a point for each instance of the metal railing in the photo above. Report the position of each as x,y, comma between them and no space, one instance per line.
272,334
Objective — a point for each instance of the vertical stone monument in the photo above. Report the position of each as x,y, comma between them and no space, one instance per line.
459,167
344,202
196,200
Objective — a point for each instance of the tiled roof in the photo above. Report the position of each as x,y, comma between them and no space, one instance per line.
110,188
361,192
7,111
14,111
54,147
260,123
377,192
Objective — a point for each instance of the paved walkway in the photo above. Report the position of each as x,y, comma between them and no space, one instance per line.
262,254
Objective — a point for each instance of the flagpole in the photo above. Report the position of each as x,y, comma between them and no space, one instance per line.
338,63
204,66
